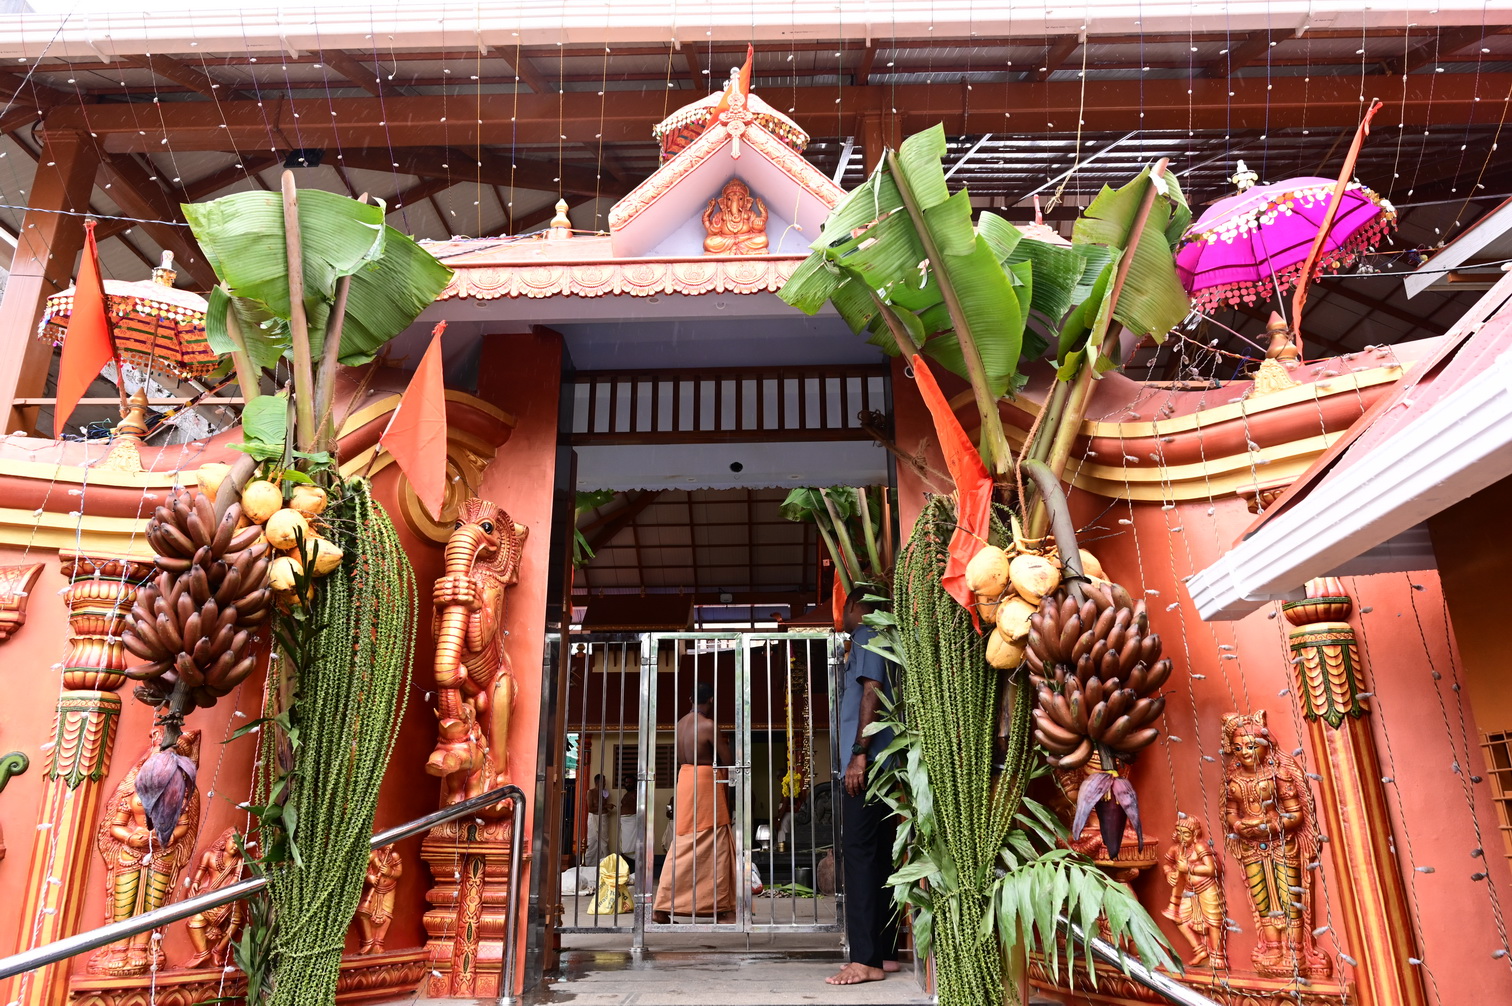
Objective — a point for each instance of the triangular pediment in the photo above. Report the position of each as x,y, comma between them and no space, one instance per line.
663,216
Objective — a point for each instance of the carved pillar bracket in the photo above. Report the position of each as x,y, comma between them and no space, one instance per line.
98,598
1325,654
1370,895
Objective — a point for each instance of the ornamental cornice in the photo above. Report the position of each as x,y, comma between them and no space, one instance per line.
744,274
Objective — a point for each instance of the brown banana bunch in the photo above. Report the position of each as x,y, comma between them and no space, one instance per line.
192,623
1097,670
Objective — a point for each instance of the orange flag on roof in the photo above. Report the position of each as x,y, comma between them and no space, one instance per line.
87,345
973,488
743,82
416,435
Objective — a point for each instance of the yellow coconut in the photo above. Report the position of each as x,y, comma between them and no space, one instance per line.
286,527
324,555
1013,619
261,500
210,477
1091,566
987,572
987,607
283,573
1003,654
1033,576
308,500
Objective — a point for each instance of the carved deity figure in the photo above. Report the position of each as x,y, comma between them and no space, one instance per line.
379,888
1268,813
735,222
1196,905
214,930
475,689
139,872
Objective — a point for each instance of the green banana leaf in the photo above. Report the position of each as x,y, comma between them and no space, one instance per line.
242,235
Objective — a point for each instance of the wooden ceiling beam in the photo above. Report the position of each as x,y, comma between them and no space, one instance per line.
1445,43
349,67
524,72
419,192
1056,55
202,188
1342,288
695,72
626,116
138,195
863,69
522,224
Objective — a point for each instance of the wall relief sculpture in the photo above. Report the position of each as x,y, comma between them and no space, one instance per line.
735,222
16,583
1197,905
140,873
475,689
375,911
1267,812
213,931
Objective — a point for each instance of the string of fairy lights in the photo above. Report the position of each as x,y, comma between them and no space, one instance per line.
1196,359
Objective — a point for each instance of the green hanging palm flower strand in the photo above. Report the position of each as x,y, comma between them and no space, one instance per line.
352,653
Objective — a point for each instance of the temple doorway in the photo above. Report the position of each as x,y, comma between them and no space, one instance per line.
685,590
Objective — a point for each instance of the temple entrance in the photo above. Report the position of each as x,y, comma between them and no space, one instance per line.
767,805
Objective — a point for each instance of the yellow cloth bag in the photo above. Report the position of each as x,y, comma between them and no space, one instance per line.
613,895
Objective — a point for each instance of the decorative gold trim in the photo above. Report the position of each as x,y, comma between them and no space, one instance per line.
744,274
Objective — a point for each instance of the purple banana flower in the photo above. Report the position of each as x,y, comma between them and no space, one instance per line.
163,784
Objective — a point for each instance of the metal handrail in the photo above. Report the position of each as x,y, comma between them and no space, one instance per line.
70,946
1167,988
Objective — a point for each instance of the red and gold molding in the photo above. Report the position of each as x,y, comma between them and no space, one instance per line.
373,978
1228,988
625,277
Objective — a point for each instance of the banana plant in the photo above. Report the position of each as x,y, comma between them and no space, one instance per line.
846,517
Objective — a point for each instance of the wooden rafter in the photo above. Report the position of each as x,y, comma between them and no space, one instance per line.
863,69
202,188
1056,55
1382,306
441,215
1446,42
178,72
427,162
695,72
419,192
1241,55
602,530
353,70
524,71
135,191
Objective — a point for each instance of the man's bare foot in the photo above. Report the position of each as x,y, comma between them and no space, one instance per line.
891,967
855,974
725,919
661,918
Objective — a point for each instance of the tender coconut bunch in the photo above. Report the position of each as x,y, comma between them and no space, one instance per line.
1009,587
283,527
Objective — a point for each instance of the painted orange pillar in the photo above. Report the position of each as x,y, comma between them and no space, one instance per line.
1370,893
99,596
43,265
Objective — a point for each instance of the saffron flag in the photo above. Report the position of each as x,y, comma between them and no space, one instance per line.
416,435
743,82
87,345
973,488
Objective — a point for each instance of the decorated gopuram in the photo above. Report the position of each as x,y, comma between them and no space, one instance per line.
1289,599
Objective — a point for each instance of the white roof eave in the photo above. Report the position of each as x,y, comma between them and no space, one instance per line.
1458,447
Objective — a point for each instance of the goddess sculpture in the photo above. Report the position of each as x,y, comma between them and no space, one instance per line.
735,221
1196,893
1268,813
139,873
214,930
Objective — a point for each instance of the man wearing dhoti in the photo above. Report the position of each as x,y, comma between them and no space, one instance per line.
698,877
603,825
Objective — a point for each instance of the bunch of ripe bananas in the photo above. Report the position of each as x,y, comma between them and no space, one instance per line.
1096,668
192,623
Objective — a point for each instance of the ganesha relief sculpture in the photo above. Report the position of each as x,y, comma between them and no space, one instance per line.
1197,905
735,222
475,689
140,871
1272,831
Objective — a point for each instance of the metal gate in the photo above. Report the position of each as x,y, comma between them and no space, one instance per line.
775,697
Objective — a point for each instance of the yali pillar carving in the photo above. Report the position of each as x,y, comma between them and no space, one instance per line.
475,693
1272,832
1368,889
99,597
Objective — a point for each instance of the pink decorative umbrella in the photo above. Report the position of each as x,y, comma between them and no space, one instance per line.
1253,245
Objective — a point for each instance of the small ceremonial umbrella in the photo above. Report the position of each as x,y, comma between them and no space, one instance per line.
1254,245
156,327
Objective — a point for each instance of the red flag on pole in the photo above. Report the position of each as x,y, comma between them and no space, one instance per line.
87,345
416,435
